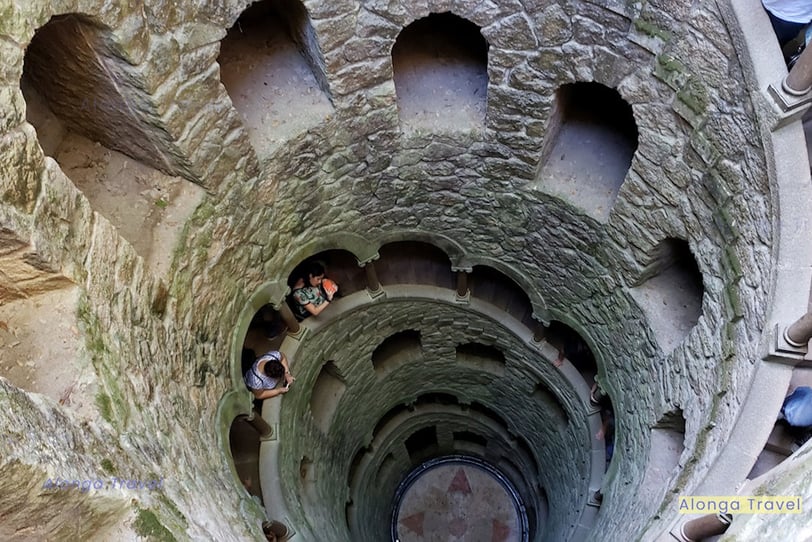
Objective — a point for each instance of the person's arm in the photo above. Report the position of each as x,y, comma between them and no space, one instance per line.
267,394
288,375
316,310
602,431
559,361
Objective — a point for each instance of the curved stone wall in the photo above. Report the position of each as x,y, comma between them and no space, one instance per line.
349,341
163,346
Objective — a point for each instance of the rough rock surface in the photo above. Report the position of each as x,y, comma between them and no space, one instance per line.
162,346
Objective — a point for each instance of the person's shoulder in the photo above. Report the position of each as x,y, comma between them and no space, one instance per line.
250,379
300,294
270,354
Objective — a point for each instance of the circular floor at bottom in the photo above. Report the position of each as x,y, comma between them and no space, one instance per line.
457,501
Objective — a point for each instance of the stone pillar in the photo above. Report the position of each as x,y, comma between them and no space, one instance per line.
260,425
374,287
793,94
799,333
540,332
799,80
275,530
463,293
373,284
462,284
704,527
288,318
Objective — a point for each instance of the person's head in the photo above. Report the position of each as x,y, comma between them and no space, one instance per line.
313,274
274,368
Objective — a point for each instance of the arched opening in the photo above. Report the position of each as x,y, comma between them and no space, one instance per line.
572,347
414,262
326,395
244,443
273,70
339,267
81,99
483,357
666,447
395,350
493,286
265,332
440,65
671,292
588,148
39,334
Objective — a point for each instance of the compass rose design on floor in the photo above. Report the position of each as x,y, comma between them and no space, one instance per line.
457,502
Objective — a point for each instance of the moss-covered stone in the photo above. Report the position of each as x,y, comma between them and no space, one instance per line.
149,526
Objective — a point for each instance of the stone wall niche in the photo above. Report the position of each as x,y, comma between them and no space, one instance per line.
588,148
397,349
440,66
327,391
273,70
422,444
73,82
667,445
671,292
244,444
482,357
91,116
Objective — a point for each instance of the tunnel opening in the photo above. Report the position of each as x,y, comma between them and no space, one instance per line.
80,98
588,147
670,292
271,63
440,66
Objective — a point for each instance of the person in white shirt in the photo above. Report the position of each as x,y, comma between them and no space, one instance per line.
788,17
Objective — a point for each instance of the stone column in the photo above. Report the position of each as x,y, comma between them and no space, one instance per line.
462,284
275,530
799,80
374,287
463,293
704,527
260,425
540,332
373,284
793,94
288,318
799,333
